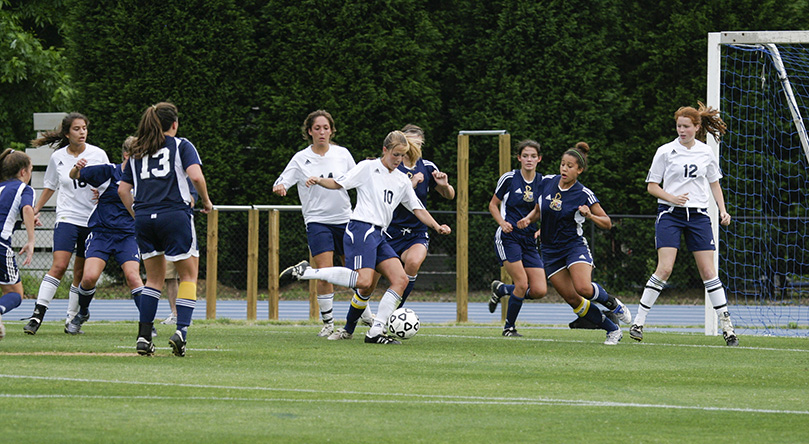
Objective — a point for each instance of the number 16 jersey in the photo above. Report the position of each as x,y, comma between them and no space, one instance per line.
74,203
159,181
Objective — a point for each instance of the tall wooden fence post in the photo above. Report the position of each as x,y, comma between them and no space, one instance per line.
273,239
252,264
213,258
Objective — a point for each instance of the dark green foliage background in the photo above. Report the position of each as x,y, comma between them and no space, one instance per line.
244,74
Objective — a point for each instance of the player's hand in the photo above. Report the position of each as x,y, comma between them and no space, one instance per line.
444,229
724,218
507,227
417,179
207,206
81,163
312,180
585,211
37,222
28,251
95,194
441,178
681,200
280,190
524,222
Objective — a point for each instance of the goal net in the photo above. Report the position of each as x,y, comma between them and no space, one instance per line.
762,91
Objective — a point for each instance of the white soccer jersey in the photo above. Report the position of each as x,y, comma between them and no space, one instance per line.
75,202
379,191
320,204
681,170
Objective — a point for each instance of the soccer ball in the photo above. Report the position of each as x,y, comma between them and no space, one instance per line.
403,323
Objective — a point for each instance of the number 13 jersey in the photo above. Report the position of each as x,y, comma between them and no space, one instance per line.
159,181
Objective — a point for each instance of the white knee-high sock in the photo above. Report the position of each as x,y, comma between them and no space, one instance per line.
47,290
653,288
326,304
716,292
389,302
342,276
72,302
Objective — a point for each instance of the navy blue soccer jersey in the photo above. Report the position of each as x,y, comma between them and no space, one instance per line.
159,181
519,197
561,220
109,214
402,217
14,195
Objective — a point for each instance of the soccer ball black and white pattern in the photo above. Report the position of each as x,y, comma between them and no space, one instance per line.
403,323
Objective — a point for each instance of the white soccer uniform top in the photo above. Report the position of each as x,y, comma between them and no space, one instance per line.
681,170
379,191
75,202
320,204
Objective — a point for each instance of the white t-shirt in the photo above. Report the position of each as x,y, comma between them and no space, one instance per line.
320,205
75,202
379,192
682,170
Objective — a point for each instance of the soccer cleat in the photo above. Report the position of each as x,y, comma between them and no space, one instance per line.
339,334
32,326
74,326
511,332
495,299
381,339
367,318
171,320
177,344
636,332
727,330
622,311
327,330
145,347
614,337
293,273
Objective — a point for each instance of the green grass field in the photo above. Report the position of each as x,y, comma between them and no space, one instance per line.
278,382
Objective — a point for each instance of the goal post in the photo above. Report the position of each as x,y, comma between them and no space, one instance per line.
760,83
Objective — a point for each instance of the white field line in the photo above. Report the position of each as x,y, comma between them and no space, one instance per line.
365,397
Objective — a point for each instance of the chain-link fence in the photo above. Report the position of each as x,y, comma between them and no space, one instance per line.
625,256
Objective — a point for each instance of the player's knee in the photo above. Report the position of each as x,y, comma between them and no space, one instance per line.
585,290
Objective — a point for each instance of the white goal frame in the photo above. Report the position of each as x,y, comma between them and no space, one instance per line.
715,42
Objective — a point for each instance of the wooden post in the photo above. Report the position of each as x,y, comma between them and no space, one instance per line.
252,263
462,230
272,263
504,144
314,308
213,258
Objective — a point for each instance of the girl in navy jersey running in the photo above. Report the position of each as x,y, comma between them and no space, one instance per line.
73,207
16,200
112,233
515,197
381,187
158,169
684,177
325,212
565,205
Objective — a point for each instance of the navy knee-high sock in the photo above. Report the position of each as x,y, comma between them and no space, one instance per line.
514,306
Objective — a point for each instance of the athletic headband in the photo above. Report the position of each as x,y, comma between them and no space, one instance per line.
577,154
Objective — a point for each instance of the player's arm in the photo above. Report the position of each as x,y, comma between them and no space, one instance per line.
657,191
325,182
494,209
442,185
125,193
427,219
596,214
719,197
29,222
198,179
75,172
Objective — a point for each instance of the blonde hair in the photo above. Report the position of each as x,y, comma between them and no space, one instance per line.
395,139
706,117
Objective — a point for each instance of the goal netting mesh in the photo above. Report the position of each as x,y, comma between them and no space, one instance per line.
764,261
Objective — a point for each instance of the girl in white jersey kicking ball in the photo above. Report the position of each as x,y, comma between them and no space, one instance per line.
381,187
684,177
